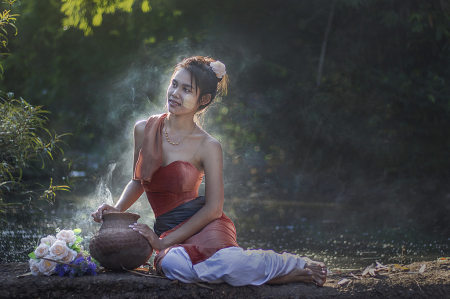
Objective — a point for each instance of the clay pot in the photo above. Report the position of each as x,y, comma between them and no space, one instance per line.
116,245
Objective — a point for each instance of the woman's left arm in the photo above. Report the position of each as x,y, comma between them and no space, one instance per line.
212,159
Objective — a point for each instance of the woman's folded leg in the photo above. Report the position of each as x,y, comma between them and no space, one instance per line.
177,265
240,267
237,267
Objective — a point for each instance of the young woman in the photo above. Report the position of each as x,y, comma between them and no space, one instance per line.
194,240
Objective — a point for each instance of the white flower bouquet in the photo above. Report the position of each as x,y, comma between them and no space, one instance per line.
64,250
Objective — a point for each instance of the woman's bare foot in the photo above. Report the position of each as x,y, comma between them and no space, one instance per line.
319,270
296,275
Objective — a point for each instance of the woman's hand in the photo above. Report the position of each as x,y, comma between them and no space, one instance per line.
156,242
103,209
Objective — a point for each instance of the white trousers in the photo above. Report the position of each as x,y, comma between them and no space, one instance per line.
232,265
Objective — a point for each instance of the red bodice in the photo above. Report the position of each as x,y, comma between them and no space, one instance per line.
173,185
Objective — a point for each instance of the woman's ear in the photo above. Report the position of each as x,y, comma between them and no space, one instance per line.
205,99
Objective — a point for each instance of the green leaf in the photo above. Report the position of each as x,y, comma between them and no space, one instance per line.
79,239
32,255
77,248
77,231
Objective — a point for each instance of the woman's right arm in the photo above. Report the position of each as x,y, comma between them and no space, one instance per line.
134,189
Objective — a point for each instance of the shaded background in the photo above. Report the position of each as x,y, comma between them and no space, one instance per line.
365,144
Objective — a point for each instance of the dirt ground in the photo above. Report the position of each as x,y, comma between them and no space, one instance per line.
406,281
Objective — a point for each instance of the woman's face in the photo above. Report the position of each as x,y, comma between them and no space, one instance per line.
181,94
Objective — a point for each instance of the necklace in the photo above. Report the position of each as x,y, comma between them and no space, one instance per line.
167,136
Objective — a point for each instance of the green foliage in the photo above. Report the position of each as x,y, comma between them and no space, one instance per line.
21,144
85,14
6,20
382,108
405,61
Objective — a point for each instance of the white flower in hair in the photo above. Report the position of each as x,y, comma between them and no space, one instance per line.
218,68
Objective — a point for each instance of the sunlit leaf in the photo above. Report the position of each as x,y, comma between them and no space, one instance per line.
98,18
146,6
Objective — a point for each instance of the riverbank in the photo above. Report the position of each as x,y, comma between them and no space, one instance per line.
410,281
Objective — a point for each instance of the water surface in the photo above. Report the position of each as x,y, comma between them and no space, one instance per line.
321,231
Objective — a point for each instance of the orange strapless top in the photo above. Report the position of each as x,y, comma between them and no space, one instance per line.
173,185
168,187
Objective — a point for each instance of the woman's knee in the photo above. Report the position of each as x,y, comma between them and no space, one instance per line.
177,265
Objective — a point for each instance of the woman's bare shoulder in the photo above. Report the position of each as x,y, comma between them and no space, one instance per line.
210,146
209,141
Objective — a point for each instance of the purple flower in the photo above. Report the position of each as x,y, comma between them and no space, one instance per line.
60,269
92,268
85,266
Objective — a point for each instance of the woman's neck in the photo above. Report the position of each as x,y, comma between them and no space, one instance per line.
180,123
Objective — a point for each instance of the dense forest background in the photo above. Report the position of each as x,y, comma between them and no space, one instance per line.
369,130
